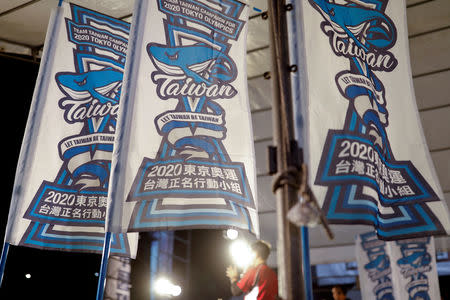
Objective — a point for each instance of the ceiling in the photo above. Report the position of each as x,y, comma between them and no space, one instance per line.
23,26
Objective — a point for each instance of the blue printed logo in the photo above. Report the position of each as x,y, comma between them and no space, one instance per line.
357,164
78,194
193,66
200,64
378,268
414,264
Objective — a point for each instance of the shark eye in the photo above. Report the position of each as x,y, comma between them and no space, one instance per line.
82,82
172,57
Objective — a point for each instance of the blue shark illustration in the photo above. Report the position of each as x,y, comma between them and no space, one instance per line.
94,84
104,86
381,262
416,259
351,19
202,63
416,256
368,28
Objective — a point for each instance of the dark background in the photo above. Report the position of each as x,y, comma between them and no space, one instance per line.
52,272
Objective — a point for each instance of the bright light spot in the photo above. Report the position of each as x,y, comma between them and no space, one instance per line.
241,253
176,290
232,234
96,274
28,276
164,287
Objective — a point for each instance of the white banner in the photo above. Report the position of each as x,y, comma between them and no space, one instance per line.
184,154
59,200
414,270
374,269
118,279
365,145
404,269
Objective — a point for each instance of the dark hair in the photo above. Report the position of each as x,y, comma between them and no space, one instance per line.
262,249
340,287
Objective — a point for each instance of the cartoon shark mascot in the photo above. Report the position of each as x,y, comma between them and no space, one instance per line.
367,33
91,99
197,68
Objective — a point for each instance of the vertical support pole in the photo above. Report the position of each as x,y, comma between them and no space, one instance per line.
291,286
295,34
3,261
154,258
104,266
306,263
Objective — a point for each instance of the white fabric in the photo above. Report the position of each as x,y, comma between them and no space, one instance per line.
374,271
47,188
253,294
164,66
356,91
414,270
403,269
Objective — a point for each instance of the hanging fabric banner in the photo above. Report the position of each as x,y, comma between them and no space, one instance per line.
414,270
367,152
403,269
186,157
118,279
374,270
60,192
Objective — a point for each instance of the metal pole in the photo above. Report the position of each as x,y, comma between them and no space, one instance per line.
3,261
291,286
295,34
306,263
104,266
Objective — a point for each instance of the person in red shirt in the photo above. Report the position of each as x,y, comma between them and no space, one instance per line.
259,282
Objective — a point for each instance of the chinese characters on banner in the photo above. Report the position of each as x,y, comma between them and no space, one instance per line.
184,154
366,149
60,194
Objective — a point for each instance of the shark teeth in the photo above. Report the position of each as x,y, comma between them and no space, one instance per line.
200,67
75,94
104,90
171,70
356,30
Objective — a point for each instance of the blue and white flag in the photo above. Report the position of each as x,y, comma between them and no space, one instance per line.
59,199
367,152
118,279
374,268
403,269
184,154
414,269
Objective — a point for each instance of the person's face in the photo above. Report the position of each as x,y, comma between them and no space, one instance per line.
254,258
338,294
